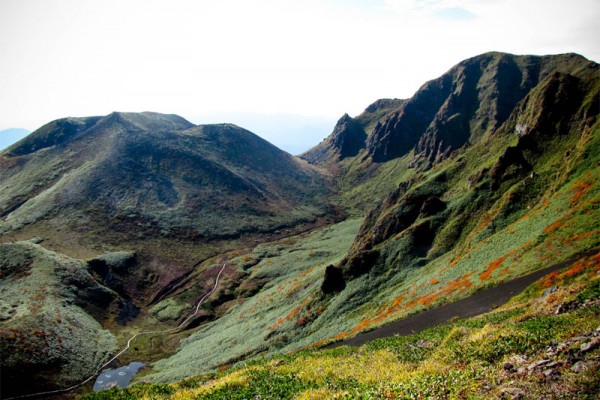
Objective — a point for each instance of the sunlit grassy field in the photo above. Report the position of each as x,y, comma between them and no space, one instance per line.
460,359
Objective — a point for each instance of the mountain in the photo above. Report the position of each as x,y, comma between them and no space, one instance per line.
158,190
517,195
473,98
156,170
153,183
290,132
12,135
350,134
488,173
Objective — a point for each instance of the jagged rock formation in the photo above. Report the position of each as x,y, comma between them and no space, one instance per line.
473,98
350,134
553,107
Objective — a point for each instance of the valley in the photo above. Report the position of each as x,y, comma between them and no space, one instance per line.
115,225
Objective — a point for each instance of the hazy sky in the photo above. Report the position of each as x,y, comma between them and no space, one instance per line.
316,59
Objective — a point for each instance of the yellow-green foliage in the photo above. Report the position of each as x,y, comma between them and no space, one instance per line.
271,318
461,359
289,313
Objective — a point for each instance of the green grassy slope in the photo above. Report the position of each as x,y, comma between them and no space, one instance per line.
290,312
158,173
459,109
487,173
155,184
525,349
284,281
46,326
521,197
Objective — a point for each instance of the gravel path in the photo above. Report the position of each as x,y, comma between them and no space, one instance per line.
476,304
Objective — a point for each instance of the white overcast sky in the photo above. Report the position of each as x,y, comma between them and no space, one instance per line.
310,58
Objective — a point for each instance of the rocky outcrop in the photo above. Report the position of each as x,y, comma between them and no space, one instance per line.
349,135
346,140
473,98
333,281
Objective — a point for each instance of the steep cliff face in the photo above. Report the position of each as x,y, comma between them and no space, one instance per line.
528,157
349,135
346,140
473,98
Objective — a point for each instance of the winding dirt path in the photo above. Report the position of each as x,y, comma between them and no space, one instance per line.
476,304
106,364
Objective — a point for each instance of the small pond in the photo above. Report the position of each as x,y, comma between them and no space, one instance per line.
118,377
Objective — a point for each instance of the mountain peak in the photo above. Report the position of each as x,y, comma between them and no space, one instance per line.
161,169
472,99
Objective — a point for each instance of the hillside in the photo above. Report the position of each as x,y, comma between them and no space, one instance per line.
155,171
486,174
491,210
544,343
155,184
51,310
456,110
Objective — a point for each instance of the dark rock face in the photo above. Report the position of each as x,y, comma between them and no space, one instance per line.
348,137
510,165
431,206
347,140
402,130
473,98
114,269
333,281
360,263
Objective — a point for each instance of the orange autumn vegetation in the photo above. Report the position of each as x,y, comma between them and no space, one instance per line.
460,283
491,267
290,315
549,279
584,263
556,225
592,262
434,281
583,235
580,187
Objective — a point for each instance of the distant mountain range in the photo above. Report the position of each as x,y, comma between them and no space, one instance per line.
488,172
12,135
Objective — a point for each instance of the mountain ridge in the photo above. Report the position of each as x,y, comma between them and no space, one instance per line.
429,121
488,173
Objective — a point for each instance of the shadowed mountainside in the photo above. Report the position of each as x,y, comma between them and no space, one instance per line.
158,172
521,197
473,98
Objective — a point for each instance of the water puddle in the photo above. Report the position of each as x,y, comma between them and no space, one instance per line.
118,377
